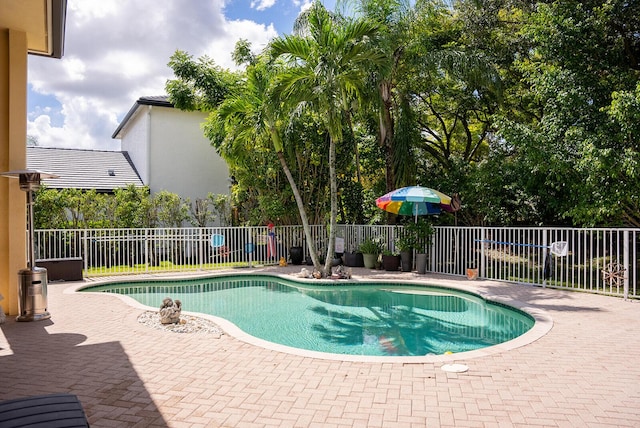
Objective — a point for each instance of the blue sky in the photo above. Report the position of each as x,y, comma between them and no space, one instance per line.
116,52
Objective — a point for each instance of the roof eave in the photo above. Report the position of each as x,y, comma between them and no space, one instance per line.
142,101
56,34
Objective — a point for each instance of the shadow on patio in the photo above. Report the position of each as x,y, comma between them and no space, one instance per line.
34,362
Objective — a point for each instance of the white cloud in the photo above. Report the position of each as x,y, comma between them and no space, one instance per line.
116,52
86,123
74,68
88,10
249,30
262,4
126,64
305,4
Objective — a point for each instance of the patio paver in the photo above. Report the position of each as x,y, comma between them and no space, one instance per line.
582,373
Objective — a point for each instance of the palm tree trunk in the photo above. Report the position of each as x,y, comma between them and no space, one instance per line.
333,180
303,213
357,152
386,140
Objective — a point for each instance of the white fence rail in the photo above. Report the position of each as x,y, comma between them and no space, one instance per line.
597,260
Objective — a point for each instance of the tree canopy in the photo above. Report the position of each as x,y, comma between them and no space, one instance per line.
529,111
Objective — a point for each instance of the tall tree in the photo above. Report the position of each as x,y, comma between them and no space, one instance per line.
250,118
583,55
200,84
451,88
327,70
392,18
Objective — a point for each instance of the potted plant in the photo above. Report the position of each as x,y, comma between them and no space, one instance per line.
406,242
370,249
353,258
296,255
296,252
390,261
422,230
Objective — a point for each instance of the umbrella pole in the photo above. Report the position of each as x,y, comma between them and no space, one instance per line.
413,255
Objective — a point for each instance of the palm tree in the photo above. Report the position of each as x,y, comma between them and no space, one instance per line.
327,71
392,18
249,118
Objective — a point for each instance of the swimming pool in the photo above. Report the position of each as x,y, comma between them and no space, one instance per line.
380,319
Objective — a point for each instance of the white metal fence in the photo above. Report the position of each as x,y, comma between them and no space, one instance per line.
597,260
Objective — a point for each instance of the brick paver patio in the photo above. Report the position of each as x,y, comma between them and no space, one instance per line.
584,372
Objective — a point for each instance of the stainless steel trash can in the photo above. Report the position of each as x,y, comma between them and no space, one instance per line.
32,294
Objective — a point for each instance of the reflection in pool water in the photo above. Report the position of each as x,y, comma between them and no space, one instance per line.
377,319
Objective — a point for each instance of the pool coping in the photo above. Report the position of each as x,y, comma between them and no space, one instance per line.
543,321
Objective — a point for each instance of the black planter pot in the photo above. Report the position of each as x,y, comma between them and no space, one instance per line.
391,263
353,259
309,262
407,260
296,255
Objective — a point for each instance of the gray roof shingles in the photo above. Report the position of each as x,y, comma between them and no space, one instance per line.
84,169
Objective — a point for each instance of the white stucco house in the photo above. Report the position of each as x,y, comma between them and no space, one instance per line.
169,150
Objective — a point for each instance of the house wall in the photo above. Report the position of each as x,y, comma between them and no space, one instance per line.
135,141
181,159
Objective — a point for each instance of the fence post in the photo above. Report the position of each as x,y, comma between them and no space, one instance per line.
625,249
146,250
432,250
250,231
482,255
200,251
545,250
85,238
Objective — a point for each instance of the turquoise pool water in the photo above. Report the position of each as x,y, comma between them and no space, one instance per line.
378,319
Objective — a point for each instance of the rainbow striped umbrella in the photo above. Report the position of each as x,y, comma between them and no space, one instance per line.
415,201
